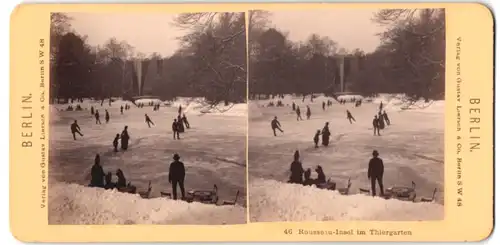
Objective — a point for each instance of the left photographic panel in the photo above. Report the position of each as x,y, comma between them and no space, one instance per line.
148,118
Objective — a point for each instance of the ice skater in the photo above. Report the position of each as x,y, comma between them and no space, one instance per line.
125,137
75,129
121,109
316,138
350,117
325,139
176,175
308,113
376,124
324,104
376,173
275,124
106,116
175,129
185,120
92,110
299,116
97,117
148,120
386,118
115,142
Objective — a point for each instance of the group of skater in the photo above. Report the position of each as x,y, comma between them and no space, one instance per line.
100,179
375,173
375,170
178,126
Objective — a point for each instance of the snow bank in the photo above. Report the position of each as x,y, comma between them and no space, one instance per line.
76,204
271,200
147,101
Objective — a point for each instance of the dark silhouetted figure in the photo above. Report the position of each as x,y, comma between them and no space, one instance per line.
109,183
175,129
324,104
350,117
299,116
185,120
148,120
381,106
92,110
316,138
115,142
97,117
275,124
321,179
386,118
125,137
180,125
75,129
180,109
296,169
176,175
121,110
308,113
325,139
293,106
381,123
97,173
122,182
376,129
376,173
106,116
307,177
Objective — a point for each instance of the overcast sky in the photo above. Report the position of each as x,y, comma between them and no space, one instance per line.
350,28
148,33
153,32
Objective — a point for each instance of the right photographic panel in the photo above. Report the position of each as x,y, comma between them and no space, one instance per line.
346,115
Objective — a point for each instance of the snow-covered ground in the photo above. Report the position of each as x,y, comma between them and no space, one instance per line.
75,204
213,151
412,148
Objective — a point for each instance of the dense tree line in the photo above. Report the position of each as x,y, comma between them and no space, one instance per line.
410,59
211,62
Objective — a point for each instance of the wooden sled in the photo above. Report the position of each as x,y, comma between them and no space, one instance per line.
329,185
345,191
426,199
205,196
133,190
402,193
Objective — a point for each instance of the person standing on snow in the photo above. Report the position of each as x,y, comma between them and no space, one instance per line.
296,169
176,175
376,173
97,173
